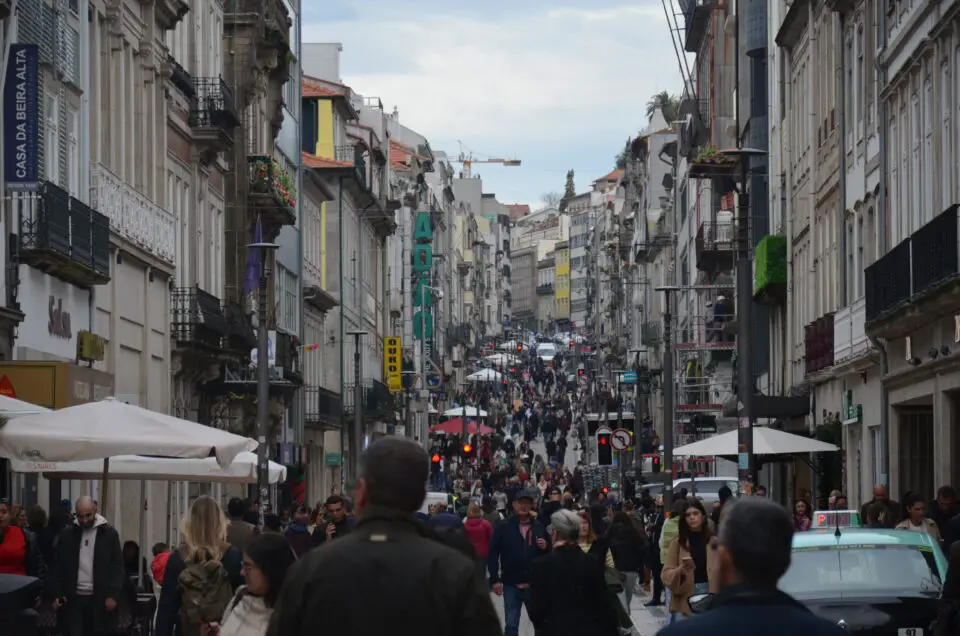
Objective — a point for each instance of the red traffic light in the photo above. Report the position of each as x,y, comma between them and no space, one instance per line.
571,344
519,347
602,441
467,448
605,489
435,459
579,371
513,369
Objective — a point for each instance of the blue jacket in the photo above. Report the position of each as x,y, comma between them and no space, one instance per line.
446,520
511,556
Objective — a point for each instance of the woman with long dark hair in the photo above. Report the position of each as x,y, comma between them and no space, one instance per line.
687,566
265,565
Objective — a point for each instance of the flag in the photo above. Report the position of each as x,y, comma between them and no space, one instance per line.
251,278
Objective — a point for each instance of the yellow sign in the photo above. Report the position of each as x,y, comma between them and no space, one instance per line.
393,364
90,347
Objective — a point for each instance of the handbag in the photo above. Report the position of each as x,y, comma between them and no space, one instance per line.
613,579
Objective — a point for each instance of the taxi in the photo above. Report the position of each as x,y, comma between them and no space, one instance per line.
875,582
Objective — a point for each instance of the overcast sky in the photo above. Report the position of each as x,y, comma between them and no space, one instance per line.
549,82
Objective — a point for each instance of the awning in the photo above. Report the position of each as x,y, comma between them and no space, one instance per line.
766,441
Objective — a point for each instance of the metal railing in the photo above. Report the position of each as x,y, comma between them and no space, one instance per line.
197,317
213,104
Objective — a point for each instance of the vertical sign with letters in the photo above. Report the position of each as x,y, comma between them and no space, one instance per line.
393,364
21,114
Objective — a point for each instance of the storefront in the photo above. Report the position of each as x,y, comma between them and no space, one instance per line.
56,312
54,385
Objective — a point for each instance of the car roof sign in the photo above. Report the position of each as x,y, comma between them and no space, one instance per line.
835,519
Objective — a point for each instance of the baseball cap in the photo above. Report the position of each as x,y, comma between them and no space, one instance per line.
552,490
526,494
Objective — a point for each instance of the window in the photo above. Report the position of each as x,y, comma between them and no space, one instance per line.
859,84
73,152
52,142
286,293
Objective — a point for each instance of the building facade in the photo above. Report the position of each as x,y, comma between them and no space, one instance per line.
546,303
563,286
525,287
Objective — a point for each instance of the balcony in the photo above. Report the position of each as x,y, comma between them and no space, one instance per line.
545,290
273,192
378,402
241,337
64,237
696,16
354,156
770,270
818,345
715,245
850,342
712,164
197,320
213,115
322,408
181,78
458,335
169,12
916,281
133,216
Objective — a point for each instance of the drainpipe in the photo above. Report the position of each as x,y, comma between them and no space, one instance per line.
881,224
841,221
343,421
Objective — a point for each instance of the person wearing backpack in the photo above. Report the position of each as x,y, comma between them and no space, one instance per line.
202,577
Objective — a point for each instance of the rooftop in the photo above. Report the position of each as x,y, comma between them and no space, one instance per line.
518,210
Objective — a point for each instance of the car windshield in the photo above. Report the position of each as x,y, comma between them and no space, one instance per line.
709,488
546,350
857,570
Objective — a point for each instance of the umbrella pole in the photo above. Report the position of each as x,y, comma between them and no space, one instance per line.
143,532
104,484
169,512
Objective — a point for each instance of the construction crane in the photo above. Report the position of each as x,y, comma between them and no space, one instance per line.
466,158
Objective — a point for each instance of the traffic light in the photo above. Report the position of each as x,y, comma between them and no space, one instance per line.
435,459
520,347
571,344
580,372
604,449
605,490
656,464
467,450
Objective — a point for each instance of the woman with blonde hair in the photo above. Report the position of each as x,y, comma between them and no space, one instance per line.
202,576
480,532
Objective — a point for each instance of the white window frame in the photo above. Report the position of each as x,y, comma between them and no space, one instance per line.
52,141
73,152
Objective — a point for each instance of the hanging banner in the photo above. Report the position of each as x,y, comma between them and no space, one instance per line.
393,364
21,114
422,267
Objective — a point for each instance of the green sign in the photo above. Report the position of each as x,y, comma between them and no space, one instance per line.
334,459
422,267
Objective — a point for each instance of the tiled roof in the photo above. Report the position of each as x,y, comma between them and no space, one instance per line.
318,88
312,161
613,176
518,210
400,155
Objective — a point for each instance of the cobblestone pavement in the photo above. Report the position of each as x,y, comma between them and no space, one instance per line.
647,621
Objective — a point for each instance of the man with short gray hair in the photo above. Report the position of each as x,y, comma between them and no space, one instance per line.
752,553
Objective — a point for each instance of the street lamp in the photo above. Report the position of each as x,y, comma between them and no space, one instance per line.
263,250
424,390
668,388
356,439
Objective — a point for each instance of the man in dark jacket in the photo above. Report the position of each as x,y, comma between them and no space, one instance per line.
550,505
88,574
391,559
890,516
752,553
338,523
515,544
239,532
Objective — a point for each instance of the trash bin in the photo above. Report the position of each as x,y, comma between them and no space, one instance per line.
18,598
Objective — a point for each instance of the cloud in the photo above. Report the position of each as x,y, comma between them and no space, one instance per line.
509,78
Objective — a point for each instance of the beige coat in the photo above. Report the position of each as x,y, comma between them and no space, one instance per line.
678,580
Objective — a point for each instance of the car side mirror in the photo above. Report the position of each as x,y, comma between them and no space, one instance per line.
699,603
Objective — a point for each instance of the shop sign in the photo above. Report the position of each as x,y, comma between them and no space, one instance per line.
90,347
333,459
54,385
58,319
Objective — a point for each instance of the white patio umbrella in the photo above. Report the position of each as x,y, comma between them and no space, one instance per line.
766,441
12,407
502,358
465,411
509,345
484,375
105,429
242,470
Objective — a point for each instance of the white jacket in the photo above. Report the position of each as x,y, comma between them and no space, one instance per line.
246,615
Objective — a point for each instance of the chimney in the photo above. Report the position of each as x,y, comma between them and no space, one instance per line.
395,114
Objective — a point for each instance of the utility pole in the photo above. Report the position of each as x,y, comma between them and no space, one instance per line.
668,387
356,438
264,250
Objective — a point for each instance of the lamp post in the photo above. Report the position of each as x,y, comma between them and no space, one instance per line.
668,388
745,458
424,390
264,249
356,438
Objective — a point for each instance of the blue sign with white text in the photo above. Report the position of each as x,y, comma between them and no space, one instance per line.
21,114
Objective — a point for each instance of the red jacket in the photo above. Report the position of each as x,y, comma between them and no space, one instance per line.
13,551
479,531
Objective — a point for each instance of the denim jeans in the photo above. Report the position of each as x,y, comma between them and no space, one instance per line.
514,599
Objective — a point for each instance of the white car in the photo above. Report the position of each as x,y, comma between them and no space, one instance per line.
547,351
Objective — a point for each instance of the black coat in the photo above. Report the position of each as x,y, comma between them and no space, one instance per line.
109,575
396,562
737,611
627,547
568,595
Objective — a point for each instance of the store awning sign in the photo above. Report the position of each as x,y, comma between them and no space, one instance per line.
21,114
